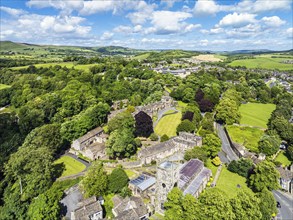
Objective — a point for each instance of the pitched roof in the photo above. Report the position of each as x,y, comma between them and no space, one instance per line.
285,174
90,134
129,208
143,182
87,207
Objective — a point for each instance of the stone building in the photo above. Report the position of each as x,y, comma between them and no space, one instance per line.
162,150
88,209
286,178
129,208
92,144
143,185
191,177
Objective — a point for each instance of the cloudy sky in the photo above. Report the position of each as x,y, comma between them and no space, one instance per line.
150,24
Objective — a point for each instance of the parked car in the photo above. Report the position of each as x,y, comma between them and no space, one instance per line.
278,204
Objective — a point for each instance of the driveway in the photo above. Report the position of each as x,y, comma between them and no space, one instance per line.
226,147
286,201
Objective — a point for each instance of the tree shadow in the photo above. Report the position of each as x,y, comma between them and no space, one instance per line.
58,170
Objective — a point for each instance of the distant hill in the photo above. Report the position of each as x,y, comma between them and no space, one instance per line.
9,45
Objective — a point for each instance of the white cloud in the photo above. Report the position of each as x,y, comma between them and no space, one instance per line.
107,35
237,20
168,22
206,7
143,14
289,32
12,11
273,21
269,5
91,7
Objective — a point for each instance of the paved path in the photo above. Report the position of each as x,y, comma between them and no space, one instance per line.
162,112
286,201
217,175
226,147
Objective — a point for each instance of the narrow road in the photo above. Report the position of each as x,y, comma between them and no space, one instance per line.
87,164
226,147
286,201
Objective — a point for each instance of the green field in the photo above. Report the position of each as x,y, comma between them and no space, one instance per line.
246,136
228,181
3,86
256,114
282,158
72,166
63,64
168,124
265,62
141,56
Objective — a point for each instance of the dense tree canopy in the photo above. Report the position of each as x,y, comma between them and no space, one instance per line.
118,179
143,124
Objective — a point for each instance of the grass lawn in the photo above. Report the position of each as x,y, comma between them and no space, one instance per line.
211,166
63,64
72,166
282,158
3,86
141,56
130,174
264,62
256,114
245,136
228,181
168,124
181,105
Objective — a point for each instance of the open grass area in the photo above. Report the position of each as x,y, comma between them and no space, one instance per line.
246,136
264,62
63,64
228,181
208,58
282,158
256,114
3,86
72,166
211,166
130,173
181,105
141,56
168,124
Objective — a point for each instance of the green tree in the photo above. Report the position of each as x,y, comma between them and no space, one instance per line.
186,126
214,204
212,144
269,145
118,179
267,204
173,205
121,143
265,177
242,166
122,120
95,181
227,111
154,137
196,152
246,206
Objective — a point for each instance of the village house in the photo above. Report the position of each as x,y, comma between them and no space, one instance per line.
90,209
129,208
91,145
191,178
162,150
286,178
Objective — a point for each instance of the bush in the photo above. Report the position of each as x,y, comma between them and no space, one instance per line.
186,126
241,167
118,179
164,138
154,137
216,161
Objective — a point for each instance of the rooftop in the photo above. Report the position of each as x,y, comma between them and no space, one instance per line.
189,170
90,134
168,165
143,182
87,207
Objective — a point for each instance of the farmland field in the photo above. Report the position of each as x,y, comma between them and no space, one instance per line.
256,114
246,136
265,62
228,181
72,166
168,124
63,64
208,58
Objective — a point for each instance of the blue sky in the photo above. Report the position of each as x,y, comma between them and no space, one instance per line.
165,24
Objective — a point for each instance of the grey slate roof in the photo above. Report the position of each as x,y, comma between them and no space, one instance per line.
130,208
285,174
90,134
87,207
143,182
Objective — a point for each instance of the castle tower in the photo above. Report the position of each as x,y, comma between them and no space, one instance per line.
167,178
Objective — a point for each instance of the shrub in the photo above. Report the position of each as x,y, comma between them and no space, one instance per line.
186,126
154,137
216,161
164,138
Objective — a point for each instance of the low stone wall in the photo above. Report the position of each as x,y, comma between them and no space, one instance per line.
232,144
